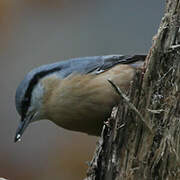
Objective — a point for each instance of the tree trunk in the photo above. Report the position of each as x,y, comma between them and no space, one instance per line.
142,138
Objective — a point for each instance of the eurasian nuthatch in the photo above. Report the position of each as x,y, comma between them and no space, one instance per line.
74,94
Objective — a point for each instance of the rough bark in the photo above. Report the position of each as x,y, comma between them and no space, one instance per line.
144,143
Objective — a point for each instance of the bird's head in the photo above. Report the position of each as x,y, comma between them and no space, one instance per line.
29,97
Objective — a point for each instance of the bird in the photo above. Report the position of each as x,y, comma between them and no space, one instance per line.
75,94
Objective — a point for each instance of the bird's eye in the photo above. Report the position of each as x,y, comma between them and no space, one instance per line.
24,107
26,99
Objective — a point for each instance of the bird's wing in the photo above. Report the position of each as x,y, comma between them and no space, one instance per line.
97,64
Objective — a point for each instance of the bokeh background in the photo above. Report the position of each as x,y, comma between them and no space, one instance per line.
35,32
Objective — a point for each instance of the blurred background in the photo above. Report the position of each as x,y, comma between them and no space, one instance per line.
36,32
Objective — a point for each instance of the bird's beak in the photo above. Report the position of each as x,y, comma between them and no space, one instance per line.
22,127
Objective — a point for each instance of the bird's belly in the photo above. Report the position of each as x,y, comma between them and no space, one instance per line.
84,112
84,109
83,102
86,119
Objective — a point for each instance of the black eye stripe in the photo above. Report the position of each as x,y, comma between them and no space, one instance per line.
28,94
